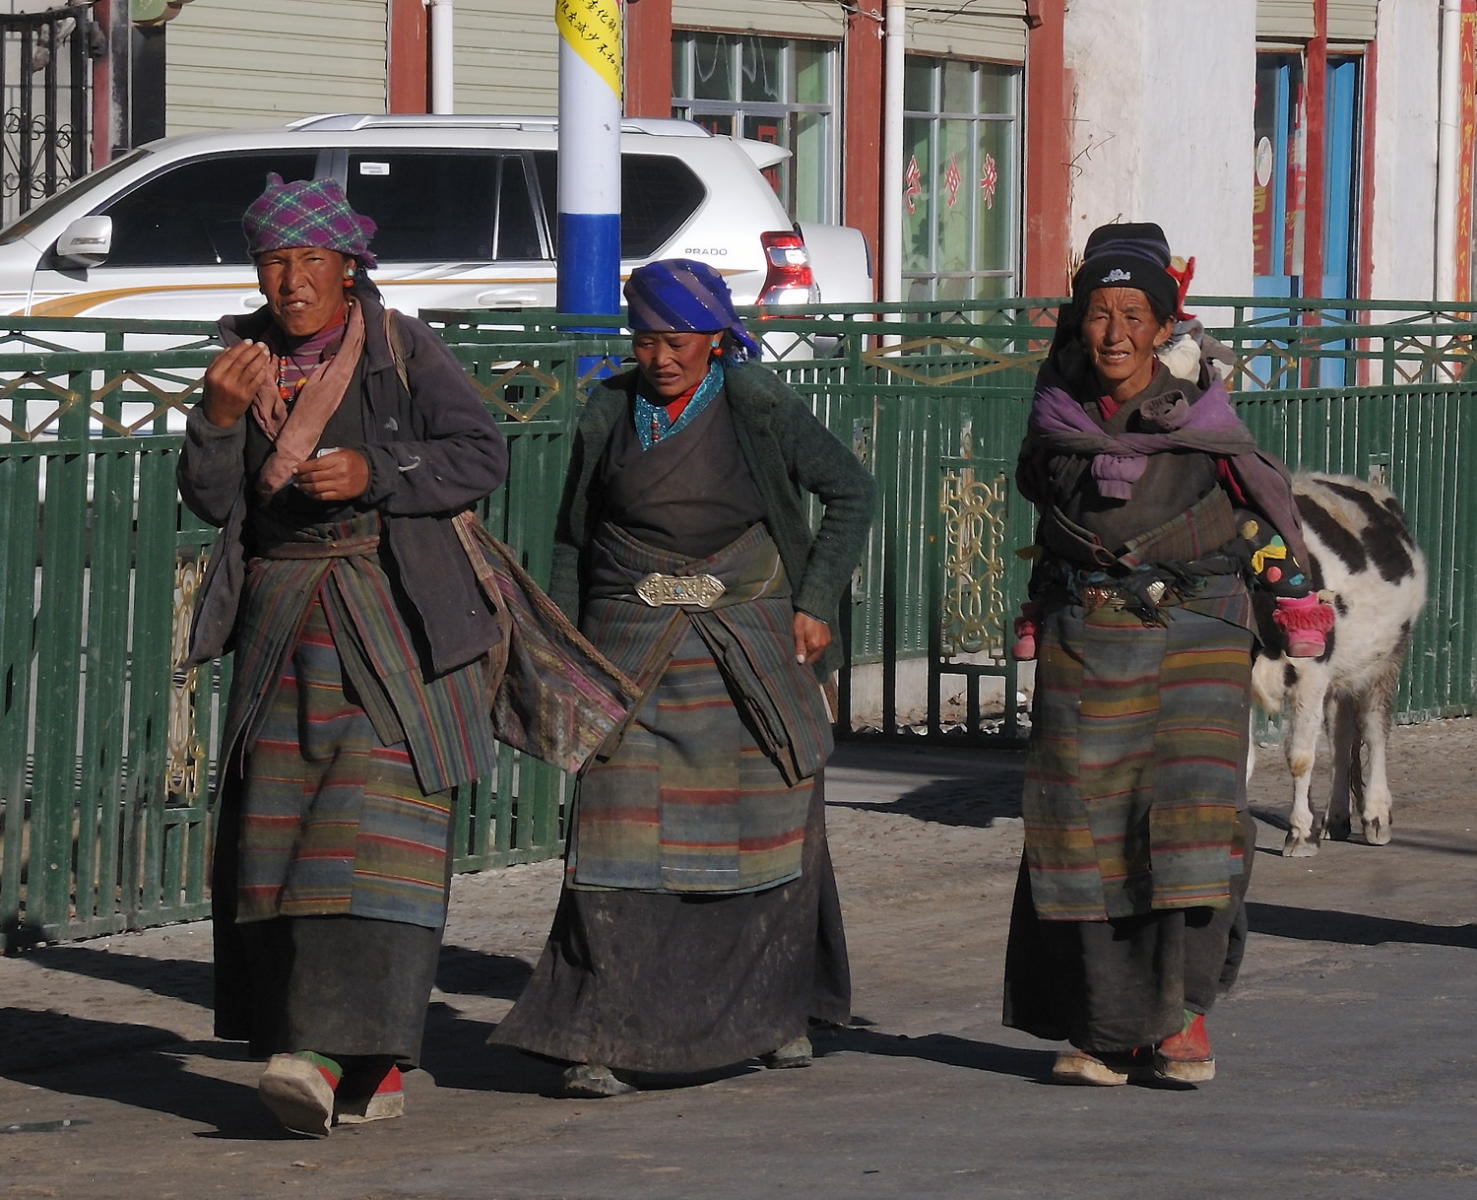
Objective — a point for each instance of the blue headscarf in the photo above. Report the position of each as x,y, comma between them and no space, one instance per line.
681,295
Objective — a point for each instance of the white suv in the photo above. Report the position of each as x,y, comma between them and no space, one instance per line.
465,207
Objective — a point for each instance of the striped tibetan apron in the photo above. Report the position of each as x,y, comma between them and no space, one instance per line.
708,787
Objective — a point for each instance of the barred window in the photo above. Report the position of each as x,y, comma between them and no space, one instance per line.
780,90
961,179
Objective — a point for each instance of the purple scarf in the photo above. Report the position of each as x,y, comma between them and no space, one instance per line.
1170,422
1060,425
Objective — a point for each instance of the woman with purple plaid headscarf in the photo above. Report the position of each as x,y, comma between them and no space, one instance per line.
699,924
333,444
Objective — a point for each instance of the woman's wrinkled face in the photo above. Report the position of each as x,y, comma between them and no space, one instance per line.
673,363
1120,334
304,287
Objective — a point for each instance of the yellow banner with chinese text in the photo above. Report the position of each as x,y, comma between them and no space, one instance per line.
593,30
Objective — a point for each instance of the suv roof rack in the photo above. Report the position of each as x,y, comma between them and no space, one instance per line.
546,123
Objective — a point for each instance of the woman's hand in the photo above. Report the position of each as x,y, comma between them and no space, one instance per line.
336,475
811,638
233,379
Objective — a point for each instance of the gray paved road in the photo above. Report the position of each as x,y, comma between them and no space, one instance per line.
1347,1054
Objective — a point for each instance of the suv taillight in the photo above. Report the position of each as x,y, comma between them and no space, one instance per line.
789,279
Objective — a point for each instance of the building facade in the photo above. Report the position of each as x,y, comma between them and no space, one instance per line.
1294,147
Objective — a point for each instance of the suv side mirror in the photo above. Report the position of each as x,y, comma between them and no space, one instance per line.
86,242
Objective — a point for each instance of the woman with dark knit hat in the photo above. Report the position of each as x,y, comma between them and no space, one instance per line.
1128,914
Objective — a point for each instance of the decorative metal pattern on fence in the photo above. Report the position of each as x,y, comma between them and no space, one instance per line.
44,77
105,770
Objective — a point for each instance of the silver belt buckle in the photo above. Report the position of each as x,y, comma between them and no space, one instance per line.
1101,596
697,590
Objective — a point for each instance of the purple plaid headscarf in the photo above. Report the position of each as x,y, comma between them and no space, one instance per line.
306,213
681,295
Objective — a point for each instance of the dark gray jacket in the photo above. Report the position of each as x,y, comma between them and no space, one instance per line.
432,452
786,450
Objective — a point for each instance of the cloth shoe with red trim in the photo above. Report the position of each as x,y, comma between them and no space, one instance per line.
1095,1070
299,1089
377,1095
1186,1057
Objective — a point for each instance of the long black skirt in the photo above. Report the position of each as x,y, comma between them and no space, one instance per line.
671,984
343,986
1109,986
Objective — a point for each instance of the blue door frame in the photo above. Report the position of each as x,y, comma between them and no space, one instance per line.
1280,281
1283,278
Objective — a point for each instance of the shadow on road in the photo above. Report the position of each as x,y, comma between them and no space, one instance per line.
941,1048
142,1066
464,971
977,802
456,1055
1354,929
184,979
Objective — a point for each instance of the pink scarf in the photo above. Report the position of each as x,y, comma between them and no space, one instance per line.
296,430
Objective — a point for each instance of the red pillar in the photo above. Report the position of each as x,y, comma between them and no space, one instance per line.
1048,140
861,123
102,91
1464,208
409,84
1316,84
648,58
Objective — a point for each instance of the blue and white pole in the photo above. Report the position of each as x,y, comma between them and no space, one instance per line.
589,155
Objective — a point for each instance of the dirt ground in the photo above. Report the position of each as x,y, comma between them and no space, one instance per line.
1346,1061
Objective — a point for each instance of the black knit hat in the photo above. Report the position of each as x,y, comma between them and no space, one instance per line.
1143,238
1132,254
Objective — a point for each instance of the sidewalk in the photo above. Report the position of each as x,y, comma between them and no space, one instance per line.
1346,1055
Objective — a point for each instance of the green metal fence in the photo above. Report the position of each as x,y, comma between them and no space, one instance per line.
105,753
106,762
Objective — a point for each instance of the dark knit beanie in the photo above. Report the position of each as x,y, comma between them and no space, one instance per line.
1133,254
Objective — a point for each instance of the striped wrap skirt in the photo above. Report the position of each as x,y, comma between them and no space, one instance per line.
1129,910
333,824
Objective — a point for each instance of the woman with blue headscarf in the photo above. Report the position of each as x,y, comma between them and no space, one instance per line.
699,924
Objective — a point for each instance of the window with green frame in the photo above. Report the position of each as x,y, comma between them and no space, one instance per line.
961,179
780,90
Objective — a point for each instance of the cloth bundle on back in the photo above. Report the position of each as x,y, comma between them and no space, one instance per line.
379,636
699,924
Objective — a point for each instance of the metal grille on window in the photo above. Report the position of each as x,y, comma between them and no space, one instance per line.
961,134
779,90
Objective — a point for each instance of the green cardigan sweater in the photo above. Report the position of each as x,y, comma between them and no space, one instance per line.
786,450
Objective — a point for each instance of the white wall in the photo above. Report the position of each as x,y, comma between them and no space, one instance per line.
1162,127
1405,134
